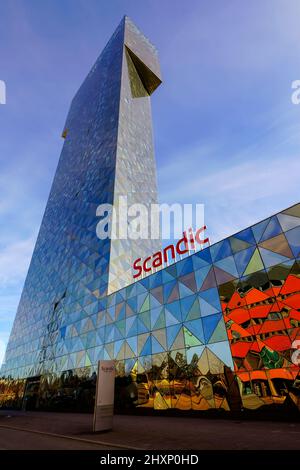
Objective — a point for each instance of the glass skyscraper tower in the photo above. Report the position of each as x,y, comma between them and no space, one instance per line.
108,152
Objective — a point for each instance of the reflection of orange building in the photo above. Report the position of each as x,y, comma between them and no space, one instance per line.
261,327
11,392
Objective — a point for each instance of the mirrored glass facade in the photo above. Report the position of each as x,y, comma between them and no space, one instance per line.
217,330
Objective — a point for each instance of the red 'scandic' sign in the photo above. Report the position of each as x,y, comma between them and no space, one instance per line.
182,246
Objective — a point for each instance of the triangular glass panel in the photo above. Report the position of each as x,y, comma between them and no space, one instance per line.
196,328
220,333
161,337
201,259
288,222
273,228
242,259
175,309
210,280
184,291
255,264
156,346
172,332
186,304
258,229
146,350
179,341
238,245
211,296
220,250
270,258
209,325
293,238
189,339
222,276
278,245
222,351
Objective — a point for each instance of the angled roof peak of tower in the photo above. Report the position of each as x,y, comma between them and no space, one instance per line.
143,54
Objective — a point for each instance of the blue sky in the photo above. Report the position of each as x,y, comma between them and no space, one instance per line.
226,131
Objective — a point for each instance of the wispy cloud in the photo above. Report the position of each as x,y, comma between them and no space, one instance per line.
243,183
239,189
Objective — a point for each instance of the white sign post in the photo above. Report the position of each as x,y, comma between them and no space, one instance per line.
104,399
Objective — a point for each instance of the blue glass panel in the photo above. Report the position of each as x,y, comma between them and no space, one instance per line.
174,308
194,353
128,324
288,222
166,276
242,259
220,250
228,265
131,291
102,303
259,229
145,282
154,314
140,289
212,297
119,332
222,351
185,266
154,302
155,280
119,297
172,270
140,300
184,291
246,235
132,302
63,332
200,275
111,300
156,346
129,363
206,308
120,311
99,354
172,332
133,344
92,338
168,288
170,318
142,328
146,350
134,328
270,258
209,324
100,337
109,333
201,259
273,228
195,327
117,346
293,237
186,305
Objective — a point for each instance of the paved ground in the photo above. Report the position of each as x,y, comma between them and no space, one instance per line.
39,430
11,439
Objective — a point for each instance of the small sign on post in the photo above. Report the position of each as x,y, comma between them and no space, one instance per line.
104,399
